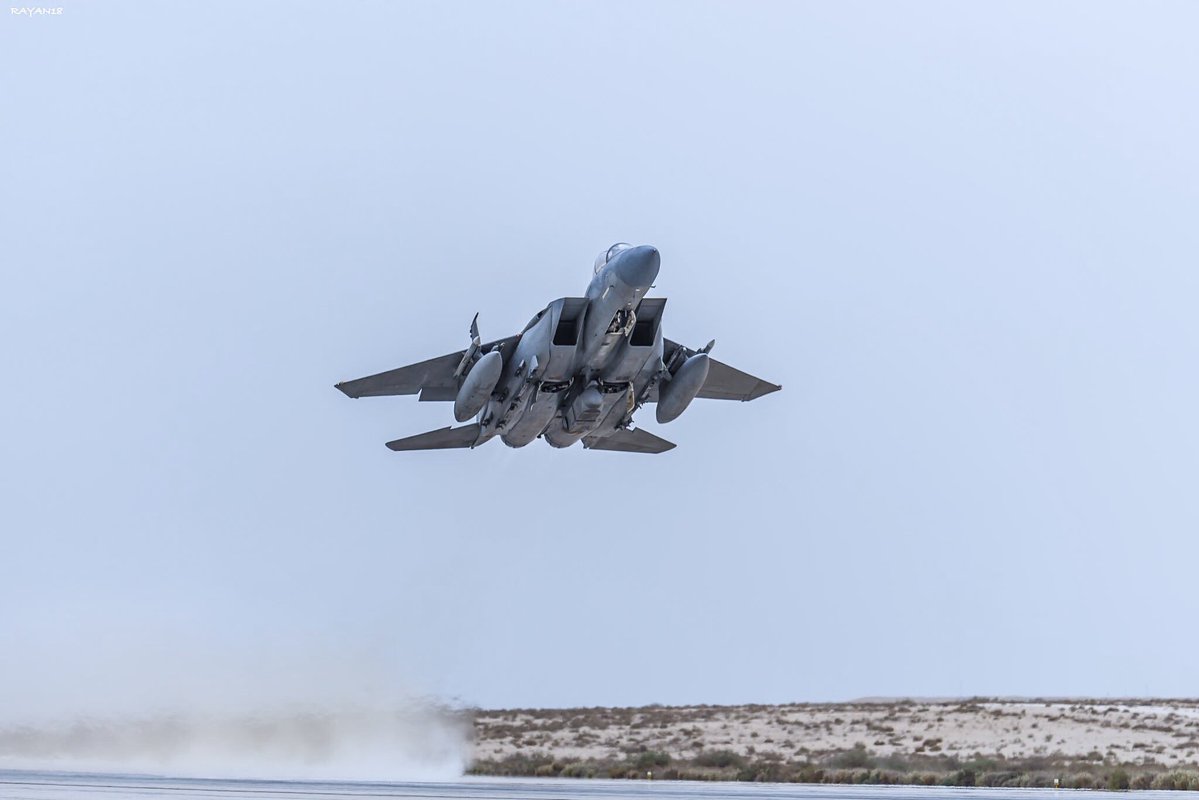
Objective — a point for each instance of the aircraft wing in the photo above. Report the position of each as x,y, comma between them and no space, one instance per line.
629,441
434,379
724,382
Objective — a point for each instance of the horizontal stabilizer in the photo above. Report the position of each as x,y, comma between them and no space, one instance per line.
629,441
443,439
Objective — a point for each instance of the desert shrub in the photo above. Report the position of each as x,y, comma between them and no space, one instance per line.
855,758
1117,780
888,777
719,759
862,775
1032,780
760,773
1081,781
696,775
1142,781
1178,779
808,774
650,759
577,770
961,777
998,779
1163,781
517,764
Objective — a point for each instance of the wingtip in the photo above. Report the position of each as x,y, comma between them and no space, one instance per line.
762,389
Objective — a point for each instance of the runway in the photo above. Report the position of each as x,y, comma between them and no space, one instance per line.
74,786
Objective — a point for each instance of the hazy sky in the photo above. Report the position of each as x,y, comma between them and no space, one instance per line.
962,236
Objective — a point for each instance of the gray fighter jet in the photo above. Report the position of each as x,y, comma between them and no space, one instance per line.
579,370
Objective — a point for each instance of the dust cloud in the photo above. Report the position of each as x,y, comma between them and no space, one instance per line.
421,741
283,713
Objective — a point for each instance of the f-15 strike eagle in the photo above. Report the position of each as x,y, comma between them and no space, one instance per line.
579,370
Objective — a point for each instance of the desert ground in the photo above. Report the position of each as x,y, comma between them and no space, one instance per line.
1031,742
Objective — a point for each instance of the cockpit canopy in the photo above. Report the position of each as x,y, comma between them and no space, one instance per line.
609,254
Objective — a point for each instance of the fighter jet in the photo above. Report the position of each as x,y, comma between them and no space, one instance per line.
579,370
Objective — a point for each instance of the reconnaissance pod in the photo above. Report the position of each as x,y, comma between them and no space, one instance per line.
578,371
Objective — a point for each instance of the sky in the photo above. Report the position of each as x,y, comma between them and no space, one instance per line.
961,236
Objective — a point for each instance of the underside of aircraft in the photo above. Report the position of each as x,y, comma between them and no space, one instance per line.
577,372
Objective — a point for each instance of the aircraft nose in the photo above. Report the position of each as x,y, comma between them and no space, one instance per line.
638,266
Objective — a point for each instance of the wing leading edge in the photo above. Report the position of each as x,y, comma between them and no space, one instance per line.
724,382
434,378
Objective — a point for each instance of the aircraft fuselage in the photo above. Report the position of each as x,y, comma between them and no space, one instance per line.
577,361
578,370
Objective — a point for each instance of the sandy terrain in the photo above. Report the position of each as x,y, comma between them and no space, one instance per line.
1125,731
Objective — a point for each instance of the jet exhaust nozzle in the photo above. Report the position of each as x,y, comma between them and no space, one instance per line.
676,394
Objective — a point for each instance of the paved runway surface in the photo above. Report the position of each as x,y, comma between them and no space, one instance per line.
70,786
